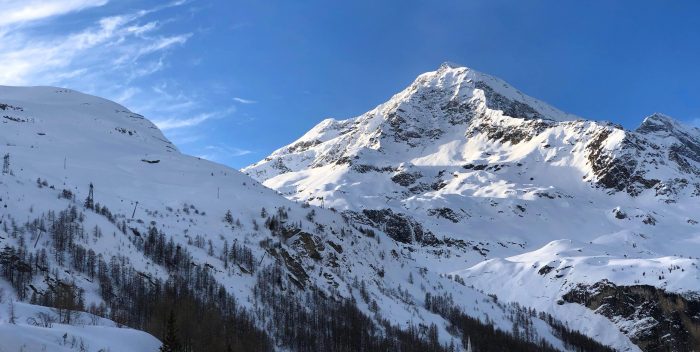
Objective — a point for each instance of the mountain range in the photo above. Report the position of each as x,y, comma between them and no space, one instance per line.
461,214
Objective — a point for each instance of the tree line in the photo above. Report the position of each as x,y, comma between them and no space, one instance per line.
192,311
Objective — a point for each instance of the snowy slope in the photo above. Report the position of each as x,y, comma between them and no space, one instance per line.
89,334
60,141
469,158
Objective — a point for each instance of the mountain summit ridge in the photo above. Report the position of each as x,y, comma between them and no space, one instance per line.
458,104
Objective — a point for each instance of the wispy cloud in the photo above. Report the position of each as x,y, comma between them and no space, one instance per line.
173,123
114,45
127,94
117,55
22,11
185,138
222,152
244,101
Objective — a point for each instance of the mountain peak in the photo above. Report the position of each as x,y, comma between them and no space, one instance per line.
450,65
658,123
460,84
657,118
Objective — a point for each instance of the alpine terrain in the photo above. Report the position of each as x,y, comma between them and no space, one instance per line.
112,240
583,221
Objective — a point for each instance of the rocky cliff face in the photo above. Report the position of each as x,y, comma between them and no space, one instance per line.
654,319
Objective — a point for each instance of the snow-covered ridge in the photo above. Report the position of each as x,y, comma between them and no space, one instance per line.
454,115
449,88
449,115
53,107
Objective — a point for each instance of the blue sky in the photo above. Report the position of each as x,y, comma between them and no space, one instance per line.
233,80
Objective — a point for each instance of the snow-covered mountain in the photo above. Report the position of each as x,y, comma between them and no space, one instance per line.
519,199
100,212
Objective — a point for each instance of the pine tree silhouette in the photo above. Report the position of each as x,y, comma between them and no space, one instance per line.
6,164
90,200
228,217
170,342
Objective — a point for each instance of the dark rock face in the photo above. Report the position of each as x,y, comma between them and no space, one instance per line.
410,133
402,132
649,220
365,168
303,146
279,165
406,179
618,172
420,188
545,270
685,151
523,132
309,244
475,167
438,185
625,170
655,320
619,214
296,272
445,213
398,226
4,106
15,119
509,107
459,112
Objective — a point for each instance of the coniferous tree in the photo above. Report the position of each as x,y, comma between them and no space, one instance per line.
6,164
228,217
170,342
89,201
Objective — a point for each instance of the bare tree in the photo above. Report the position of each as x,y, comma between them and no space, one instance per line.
12,319
42,319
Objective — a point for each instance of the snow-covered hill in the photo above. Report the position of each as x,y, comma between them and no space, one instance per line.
36,328
533,202
100,212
